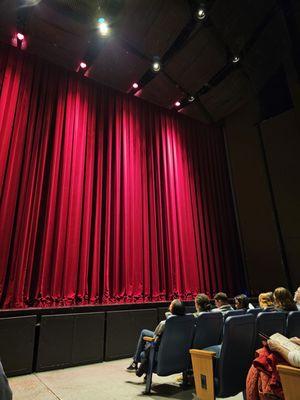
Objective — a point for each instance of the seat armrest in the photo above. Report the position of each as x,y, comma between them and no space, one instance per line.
202,361
290,380
202,353
148,339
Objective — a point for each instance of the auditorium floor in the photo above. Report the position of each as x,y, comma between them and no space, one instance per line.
106,380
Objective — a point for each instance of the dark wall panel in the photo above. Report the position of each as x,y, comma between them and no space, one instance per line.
123,329
71,339
255,212
281,140
88,345
55,343
17,336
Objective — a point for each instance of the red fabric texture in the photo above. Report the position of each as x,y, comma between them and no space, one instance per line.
105,198
263,380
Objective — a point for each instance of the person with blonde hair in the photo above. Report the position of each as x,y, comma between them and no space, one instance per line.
283,300
266,301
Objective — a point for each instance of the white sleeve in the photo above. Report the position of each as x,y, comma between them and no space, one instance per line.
294,358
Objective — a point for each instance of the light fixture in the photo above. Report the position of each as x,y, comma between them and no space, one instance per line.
177,103
200,13
156,65
20,36
83,65
235,59
135,85
191,98
103,26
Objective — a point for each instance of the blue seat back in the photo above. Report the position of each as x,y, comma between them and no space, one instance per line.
173,353
236,354
254,311
208,331
293,324
233,313
269,323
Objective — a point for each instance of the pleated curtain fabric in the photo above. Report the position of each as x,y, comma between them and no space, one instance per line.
105,198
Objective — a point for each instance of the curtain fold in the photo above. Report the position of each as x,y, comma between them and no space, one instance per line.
105,198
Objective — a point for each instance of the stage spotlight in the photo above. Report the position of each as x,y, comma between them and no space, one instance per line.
235,59
20,36
83,65
156,66
103,27
135,85
191,99
201,14
177,103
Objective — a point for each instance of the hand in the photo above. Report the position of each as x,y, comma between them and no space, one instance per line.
295,340
274,345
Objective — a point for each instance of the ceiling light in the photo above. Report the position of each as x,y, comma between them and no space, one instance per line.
103,27
177,103
20,36
83,65
156,66
191,98
235,59
135,85
201,13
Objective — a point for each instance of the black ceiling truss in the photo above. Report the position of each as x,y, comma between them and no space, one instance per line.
192,27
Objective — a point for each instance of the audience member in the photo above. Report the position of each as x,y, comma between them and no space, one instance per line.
222,303
241,302
202,304
297,298
266,301
5,391
283,300
290,356
263,380
176,308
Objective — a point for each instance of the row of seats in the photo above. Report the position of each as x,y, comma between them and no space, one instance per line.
287,324
238,332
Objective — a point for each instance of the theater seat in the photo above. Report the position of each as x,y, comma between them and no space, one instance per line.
208,331
173,351
290,379
293,324
269,323
221,370
254,311
233,313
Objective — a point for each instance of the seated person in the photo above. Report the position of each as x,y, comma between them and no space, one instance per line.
241,302
176,308
266,301
292,356
222,303
5,391
263,380
202,304
297,298
283,300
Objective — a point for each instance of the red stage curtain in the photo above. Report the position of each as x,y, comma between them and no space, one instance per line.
104,197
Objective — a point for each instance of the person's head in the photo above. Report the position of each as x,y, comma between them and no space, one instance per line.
202,302
283,299
221,299
241,302
266,300
297,296
177,307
